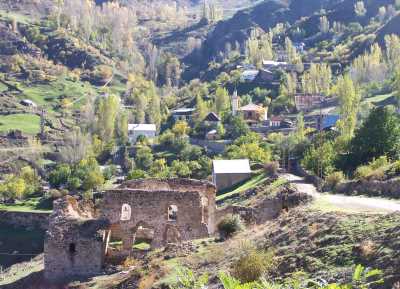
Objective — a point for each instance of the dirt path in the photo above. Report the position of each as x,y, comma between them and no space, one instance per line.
330,202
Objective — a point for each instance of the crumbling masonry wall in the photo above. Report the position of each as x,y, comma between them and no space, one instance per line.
150,200
77,240
74,243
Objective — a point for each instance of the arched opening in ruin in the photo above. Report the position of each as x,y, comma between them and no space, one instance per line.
142,236
172,213
172,235
114,239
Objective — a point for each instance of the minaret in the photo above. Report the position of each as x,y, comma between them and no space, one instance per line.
235,102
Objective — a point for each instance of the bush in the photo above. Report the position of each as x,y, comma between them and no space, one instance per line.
229,225
333,179
136,174
271,168
253,264
375,170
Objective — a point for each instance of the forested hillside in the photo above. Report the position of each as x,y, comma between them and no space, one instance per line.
196,144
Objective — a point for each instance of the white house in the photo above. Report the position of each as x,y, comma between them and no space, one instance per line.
136,130
227,173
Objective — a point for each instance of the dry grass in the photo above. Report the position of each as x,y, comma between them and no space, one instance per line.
147,282
368,249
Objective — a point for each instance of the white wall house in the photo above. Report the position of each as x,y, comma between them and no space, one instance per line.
136,130
227,173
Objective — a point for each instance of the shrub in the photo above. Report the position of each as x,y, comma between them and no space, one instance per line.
333,179
271,168
229,225
375,170
253,264
136,174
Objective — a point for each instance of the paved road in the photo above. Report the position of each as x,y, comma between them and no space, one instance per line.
332,202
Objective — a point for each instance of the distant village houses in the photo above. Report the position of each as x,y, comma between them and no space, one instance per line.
136,130
307,102
183,114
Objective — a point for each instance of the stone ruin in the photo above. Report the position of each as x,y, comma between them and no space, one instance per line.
80,238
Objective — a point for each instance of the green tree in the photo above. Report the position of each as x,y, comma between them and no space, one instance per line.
397,87
320,159
349,98
300,133
379,135
60,175
144,158
107,113
221,100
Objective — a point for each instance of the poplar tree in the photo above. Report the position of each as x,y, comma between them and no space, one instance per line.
221,100
107,113
349,98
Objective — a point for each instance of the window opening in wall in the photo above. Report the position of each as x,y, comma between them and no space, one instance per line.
172,213
126,212
72,248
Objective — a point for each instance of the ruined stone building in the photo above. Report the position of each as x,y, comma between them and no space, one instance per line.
80,236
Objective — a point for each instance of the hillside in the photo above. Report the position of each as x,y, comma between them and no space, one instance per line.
299,16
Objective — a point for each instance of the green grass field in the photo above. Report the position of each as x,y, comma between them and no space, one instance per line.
27,123
31,205
251,183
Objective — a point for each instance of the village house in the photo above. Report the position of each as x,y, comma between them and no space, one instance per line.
227,173
212,119
253,113
147,130
183,114
211,122
306,102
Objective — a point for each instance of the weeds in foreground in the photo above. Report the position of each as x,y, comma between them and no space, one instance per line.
363,278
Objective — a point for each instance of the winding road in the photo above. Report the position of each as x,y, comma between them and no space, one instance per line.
331,202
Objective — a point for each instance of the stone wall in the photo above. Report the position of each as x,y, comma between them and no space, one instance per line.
266,209
78,239
75,241
389,188
150,201
25,219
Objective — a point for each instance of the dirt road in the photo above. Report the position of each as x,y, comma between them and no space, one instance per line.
331,202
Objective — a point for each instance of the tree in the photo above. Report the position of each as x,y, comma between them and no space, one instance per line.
181,129
359,9
397,87
76,146
317,80
349,101
107,113
324,24
320,159
369,67
235,127
379,135
392,43
144,158
221,100
300,128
